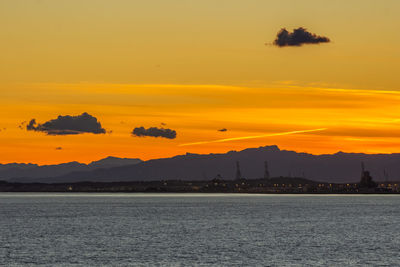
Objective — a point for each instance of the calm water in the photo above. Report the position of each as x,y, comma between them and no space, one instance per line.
198,230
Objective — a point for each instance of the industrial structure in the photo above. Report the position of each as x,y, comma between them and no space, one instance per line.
238,173
266,170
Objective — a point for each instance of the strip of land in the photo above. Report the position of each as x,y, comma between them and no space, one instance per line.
279,185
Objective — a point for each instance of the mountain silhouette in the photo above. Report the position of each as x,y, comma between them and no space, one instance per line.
338,167
23,171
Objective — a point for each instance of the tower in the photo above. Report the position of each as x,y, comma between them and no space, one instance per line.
266,171
238,173
362,168
386,175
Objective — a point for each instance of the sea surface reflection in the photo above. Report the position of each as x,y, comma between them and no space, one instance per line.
198,229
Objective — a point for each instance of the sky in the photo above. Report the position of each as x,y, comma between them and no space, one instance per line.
206,70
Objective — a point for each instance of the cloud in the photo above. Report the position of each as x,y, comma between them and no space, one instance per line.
223,130
298,37
64,125
59,148
154,132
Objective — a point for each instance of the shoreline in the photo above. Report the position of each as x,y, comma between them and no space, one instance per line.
279,185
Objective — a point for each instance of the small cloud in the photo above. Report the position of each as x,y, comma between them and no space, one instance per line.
298,37
154,132
22,125
59,148
64,125
223,130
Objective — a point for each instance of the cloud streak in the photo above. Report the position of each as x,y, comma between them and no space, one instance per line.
252,137
298,37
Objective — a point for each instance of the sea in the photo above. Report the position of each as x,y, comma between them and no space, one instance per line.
68,229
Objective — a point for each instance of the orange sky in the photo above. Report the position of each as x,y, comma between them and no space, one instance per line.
198,67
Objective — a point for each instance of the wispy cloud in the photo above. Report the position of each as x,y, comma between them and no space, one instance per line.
252,137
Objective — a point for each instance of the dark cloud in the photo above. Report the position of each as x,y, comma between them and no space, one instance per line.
223,130
154,132
59,148
63,125
298,37
30,126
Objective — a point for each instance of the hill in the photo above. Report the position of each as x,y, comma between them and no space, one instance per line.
338,167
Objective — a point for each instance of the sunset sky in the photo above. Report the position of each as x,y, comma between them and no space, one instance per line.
197,67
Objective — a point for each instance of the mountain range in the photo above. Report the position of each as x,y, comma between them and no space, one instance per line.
31,172
338,167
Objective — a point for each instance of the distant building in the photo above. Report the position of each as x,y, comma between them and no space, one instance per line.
217,179
366,179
